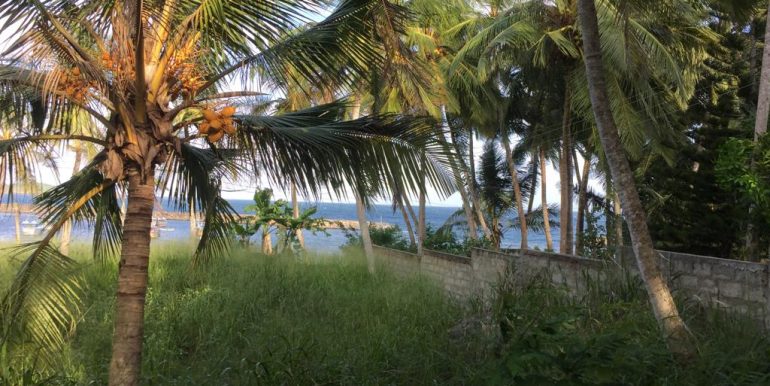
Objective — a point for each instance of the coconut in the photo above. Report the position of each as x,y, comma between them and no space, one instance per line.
204,127
210,115
229,129
75,71
215,136
216,124
228,111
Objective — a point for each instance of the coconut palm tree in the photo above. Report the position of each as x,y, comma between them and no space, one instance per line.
163,81
673,327
645,57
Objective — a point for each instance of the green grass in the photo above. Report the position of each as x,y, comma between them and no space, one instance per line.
251,319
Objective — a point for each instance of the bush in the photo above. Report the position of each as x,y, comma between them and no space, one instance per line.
444,241
609,337
388,237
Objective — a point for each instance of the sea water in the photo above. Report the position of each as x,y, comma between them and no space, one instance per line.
321,242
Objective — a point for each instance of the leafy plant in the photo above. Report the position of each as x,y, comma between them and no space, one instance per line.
277,217
388,237
743,166
594,238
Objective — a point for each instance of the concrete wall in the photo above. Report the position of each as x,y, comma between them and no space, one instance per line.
740,286
734,285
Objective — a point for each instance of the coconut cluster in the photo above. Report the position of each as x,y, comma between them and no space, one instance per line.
73,85
184,74
217,123
107,60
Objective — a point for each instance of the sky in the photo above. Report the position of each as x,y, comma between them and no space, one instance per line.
245,189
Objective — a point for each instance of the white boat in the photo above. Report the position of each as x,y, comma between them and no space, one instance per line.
31,228
159,221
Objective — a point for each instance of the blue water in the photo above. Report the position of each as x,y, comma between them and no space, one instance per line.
179,229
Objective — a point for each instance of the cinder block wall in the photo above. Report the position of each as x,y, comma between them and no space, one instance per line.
734,285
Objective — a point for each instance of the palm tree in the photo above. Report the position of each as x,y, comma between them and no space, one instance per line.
644,59
763,98
495,187
673,327
158,77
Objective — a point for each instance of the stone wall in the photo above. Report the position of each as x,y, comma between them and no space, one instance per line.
734,285
740,286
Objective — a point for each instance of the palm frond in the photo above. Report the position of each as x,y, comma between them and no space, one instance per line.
313,149
20,161
42,304
95,202
217,232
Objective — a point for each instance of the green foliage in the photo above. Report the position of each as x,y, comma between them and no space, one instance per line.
441,240
594,237
389,237
276,216
743,167
609,337
263,320
267,320
444,241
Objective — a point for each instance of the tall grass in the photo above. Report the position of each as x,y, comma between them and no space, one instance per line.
249,319
252,319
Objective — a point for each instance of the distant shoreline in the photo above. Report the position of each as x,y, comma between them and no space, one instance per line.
182,216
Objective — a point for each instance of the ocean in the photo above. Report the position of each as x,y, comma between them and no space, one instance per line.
325,243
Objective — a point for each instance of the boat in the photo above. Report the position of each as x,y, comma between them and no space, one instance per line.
159,221
31,228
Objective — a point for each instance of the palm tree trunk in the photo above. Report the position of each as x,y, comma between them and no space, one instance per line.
618,223
565,176
532,190
582,206
421,226
760,123
66,233
410,209
126,361
17,222
673,327
516,191
409,229
363,227
363,224
472,229
575,163
267,241
471,177
763,99
544,203
295,213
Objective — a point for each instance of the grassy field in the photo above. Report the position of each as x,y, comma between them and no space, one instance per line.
251,319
